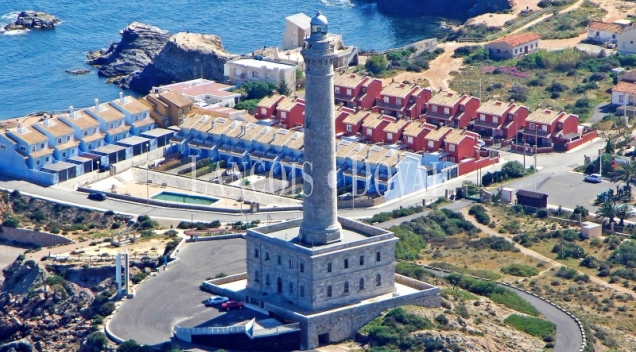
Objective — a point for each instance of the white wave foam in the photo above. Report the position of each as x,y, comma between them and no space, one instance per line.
16,32
10,17
338,3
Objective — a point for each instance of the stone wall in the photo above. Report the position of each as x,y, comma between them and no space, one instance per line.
30,237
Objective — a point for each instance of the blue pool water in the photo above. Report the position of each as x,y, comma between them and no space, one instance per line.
184,198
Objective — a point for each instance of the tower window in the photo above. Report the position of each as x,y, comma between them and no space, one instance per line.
266,256
329,291
328,267
290,264
346,263
346,287
267,280
377,256
302,267
255,252
378,280
361,284
256,276
291,288
302,291
279,260
361,260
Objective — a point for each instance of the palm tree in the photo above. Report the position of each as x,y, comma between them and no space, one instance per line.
607,210
622,212
624,172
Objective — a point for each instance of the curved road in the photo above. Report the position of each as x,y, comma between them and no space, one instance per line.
568,337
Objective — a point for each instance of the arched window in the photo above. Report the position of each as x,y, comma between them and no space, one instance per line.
291,288
346,287
329,291
256,279
266,256
267,280
361,284
378,280
255,252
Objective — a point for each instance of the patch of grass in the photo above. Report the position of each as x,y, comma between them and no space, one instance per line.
459,294
533,326
520,270
493,291
484,274
394,330
568,25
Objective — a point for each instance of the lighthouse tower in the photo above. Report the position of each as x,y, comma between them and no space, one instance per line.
320,221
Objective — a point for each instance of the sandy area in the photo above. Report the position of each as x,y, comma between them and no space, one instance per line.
498,19
616,9
7,256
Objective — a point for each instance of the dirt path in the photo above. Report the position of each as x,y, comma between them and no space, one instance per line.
551,262
438,75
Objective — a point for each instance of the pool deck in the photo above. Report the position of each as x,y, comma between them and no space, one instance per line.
138,189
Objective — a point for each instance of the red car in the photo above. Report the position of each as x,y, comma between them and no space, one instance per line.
232,305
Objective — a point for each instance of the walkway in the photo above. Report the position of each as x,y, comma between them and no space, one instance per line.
568,337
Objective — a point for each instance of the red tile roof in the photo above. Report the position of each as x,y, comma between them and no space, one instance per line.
604,26
518,39
625,87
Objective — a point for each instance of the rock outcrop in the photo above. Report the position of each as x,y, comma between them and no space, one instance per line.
33,20
185,56
148,56
139,44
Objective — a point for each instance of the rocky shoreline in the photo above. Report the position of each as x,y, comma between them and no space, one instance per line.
32,20
147,56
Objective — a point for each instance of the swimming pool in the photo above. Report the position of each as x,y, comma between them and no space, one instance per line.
184,198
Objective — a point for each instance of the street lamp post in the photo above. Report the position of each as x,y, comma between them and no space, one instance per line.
147,173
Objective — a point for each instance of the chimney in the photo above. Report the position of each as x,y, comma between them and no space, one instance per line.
71,111
243,129
399,157
96,104
368,153
121,98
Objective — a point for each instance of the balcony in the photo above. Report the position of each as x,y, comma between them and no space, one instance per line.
486,124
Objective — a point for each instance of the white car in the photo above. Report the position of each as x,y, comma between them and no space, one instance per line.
594,178
481,143
215,300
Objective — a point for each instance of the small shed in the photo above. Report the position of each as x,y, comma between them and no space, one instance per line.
591,229
507,195
533,199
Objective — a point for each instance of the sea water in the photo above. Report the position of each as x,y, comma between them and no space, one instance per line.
33,63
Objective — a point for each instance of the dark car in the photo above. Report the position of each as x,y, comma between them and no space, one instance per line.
232,305
97,196
104,168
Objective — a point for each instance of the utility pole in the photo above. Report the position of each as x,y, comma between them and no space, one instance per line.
600,162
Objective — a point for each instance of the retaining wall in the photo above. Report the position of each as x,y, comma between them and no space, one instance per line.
31,237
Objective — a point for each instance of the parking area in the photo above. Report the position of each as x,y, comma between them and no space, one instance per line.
173,296
565,189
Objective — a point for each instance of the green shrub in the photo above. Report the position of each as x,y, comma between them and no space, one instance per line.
566,273
249,105
97,340
55,280
115,225
520,270
139,277
413,270
542,213
376,64
107,309
530,325
11,222
129,346
441,319
567,250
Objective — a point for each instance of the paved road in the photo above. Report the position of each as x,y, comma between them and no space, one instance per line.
174,295
565,189
568,337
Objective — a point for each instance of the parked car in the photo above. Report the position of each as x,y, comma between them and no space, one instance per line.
97,196
215,300
481,143
104,168
232,305
594,178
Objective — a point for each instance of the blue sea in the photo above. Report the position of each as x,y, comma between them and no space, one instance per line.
32,63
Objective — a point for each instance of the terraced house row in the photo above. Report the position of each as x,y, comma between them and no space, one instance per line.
68,144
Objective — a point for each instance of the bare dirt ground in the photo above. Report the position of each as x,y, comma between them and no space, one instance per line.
616,9
498,19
